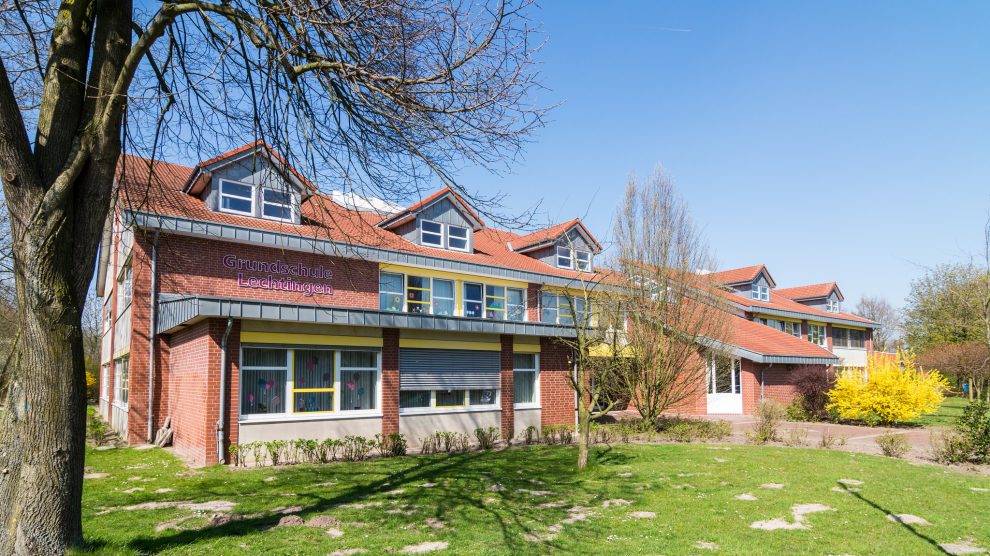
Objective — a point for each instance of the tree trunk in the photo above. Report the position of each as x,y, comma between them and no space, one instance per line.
584,434
43,430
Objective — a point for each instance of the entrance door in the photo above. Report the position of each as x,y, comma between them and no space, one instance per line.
724,385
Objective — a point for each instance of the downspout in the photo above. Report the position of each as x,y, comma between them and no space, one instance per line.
151,336
223,390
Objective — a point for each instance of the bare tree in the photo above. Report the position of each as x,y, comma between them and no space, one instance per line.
967,362
879,310
377,95
672,313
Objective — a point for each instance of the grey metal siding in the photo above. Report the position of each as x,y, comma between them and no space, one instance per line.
254,170
448,369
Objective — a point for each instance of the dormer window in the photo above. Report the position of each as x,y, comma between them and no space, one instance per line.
583,259
832,305
761,293
277,205
431,233
457,238
565,257
237,198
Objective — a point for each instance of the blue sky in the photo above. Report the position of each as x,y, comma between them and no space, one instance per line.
842,141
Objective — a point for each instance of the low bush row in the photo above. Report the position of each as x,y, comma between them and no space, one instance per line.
304,450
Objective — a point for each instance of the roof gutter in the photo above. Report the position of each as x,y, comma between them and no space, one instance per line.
802,316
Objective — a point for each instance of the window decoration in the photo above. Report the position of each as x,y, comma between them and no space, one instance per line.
312,381
358,380
237,198
264,377
473,302
525,378
417,294
390,292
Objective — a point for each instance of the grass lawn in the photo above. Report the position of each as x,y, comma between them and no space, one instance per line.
522,501
950,410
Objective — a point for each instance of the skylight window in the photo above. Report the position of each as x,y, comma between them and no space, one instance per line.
237,198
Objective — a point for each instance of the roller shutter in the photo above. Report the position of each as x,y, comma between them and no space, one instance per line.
448,369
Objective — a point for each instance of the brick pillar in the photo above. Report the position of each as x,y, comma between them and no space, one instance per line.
390,380
508,389
556,393
828,336
533,303
233,386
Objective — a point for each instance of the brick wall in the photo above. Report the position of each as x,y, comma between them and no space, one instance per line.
556,393
533,302
188,389
193,265
778,382
137,402
390,380
507,384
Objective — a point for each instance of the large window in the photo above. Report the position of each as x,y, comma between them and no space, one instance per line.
390,292
848,338
443,297
515,300
526,379
833,305
105,382
558,309
444,236
121,380
276,205
761,293
417,294
565,258
816,334
724,375
473,300
787,326
495,302
236,197
447,399
279,381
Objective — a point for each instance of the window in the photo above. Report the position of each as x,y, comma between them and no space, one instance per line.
848,338
105,382
564,257
431,233
583,259
443,297
724,375
417,294
236,197
832,305
409,399
358,380
525,379
276,204
125,288
473,301
816,334
482,397
761,293
121,380
457,238
390,292
548,306
515,300
556,309
495,302
312,381
264,376
450,398
107,317
792,328
279,381
857,339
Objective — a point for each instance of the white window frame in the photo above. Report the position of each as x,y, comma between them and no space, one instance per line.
466,407
535,404
291,205
833,305
125,283
465,300
735,373
402,293
569,257
466,238
423,232
105,381
525,304
118,385
760,293
289,413
221,194
434,297
583,265
824,329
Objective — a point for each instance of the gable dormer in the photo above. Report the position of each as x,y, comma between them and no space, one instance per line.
567,246
251,181
753,282
442,221
826,297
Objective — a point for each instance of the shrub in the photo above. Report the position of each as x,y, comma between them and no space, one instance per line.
92,388
327,450
531,435
796,436
276,450
683,431
392,444
486,437
355,448
99,431
893,391
949,446
715,430
812,385
830,440
796,410
893,445
974,426
558,434
768,417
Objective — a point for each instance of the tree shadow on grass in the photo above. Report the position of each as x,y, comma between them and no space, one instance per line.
910,528
462,482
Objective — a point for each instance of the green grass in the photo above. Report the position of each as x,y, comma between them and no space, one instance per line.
686,485
950,410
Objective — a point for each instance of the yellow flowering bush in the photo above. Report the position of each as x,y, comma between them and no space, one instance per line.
892,390
90,385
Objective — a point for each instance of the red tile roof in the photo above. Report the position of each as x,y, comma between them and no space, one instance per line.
551,233
157,189
445,191
764,340
783,304
813,291
739,275
255,144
